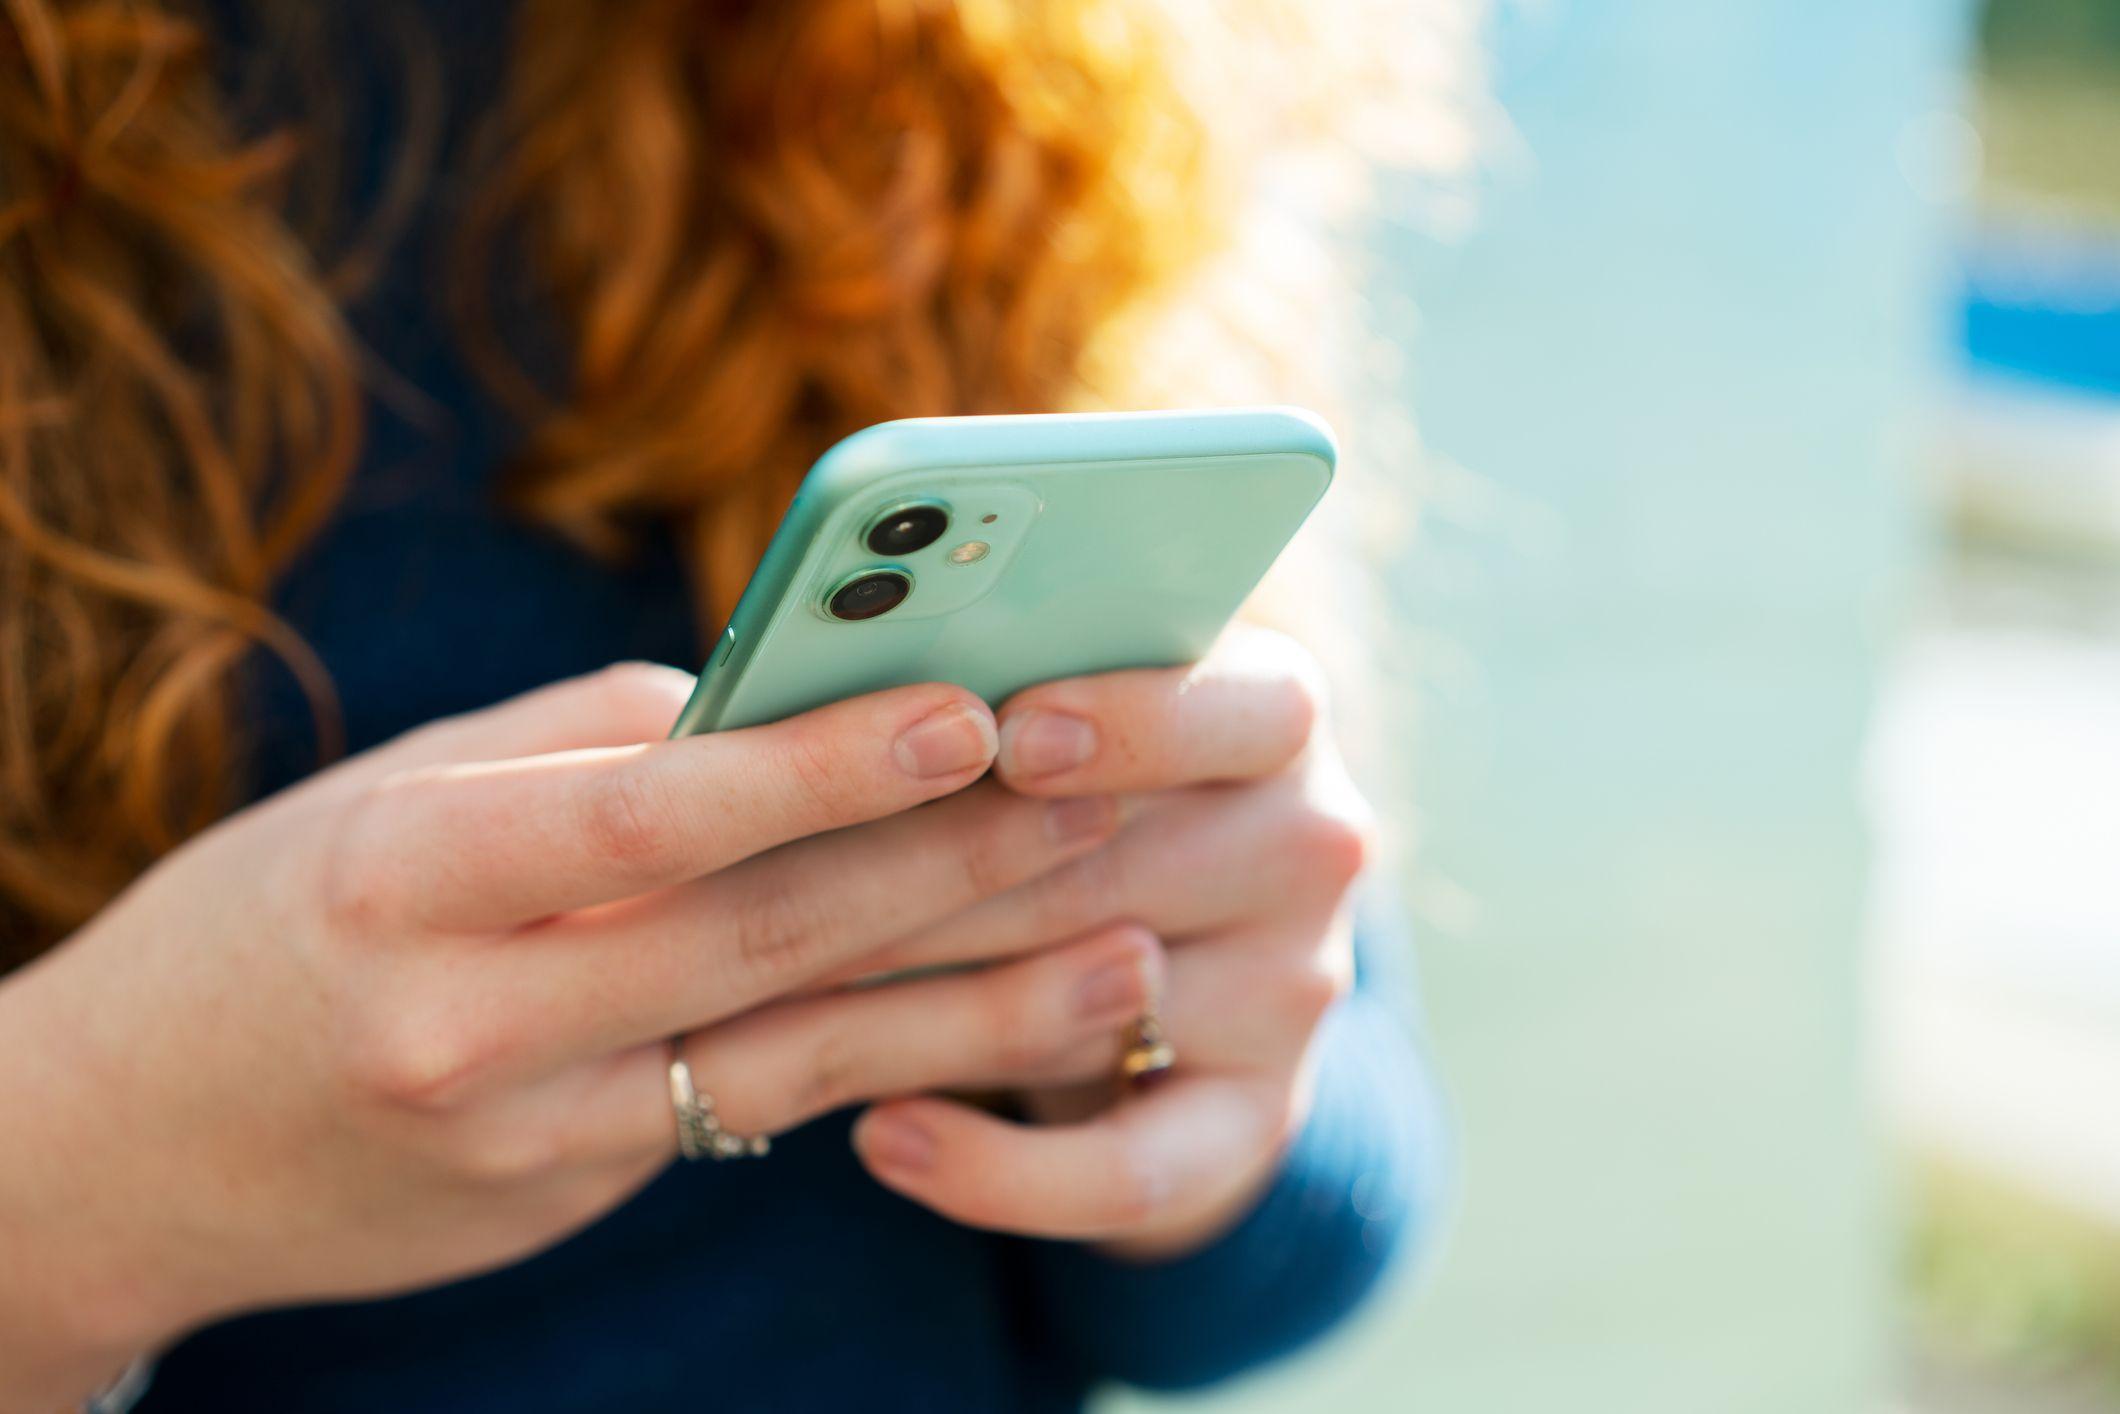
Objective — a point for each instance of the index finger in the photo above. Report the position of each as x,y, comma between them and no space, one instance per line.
1244,711
490,845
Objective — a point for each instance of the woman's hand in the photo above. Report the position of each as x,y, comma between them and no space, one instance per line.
1245,836
407,1020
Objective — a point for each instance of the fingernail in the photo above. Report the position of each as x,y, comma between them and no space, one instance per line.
946,741
1080,817
893,1142
1046,743
1115,991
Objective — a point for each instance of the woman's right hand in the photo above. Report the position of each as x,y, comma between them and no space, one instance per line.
406,1021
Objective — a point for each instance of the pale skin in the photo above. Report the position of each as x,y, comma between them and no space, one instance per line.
407,1020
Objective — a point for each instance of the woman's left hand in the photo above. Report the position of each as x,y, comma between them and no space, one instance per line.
1244,839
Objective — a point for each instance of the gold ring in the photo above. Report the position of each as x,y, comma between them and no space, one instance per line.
1147,1055
699,1131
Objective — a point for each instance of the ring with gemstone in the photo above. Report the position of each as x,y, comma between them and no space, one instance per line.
1147,1055
699,1131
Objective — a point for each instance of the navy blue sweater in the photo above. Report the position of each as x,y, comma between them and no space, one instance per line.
794,1283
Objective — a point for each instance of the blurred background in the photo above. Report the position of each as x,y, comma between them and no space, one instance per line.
1764,617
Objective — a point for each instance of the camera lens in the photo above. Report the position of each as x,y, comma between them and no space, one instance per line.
907,529
870,595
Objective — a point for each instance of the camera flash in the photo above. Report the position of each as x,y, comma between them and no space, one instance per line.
970,552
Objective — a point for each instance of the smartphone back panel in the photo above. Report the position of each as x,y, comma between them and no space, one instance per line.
1075,544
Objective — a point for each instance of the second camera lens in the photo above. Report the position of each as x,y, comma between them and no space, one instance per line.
869,595
907,529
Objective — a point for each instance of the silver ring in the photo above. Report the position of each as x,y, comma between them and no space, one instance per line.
699,1131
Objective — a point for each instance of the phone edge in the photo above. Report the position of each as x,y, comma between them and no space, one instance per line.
850,465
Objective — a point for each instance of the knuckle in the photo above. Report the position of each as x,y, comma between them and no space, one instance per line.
986,857
1018,1040
1091,891
1336,844
830,1076
1310,991
353,869
814,774
623,822
773,930
412,1058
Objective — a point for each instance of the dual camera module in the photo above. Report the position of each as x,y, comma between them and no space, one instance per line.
899,533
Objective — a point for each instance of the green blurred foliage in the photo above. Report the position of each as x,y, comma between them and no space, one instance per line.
2049,105
2006,1280
2052,142
2081,33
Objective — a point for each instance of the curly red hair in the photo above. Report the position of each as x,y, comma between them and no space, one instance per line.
762,225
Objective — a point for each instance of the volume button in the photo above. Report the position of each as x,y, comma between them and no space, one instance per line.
727,646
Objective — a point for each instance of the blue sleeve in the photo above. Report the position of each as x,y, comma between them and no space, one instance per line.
1358,1190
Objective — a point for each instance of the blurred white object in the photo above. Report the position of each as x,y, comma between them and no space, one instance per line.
1996,796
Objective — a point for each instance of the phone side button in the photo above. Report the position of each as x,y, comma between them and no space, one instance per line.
728,646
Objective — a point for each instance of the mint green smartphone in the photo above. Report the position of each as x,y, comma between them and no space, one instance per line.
1001,552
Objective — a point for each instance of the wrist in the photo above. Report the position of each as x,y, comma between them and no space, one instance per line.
39,1383
81,1294
65,1335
